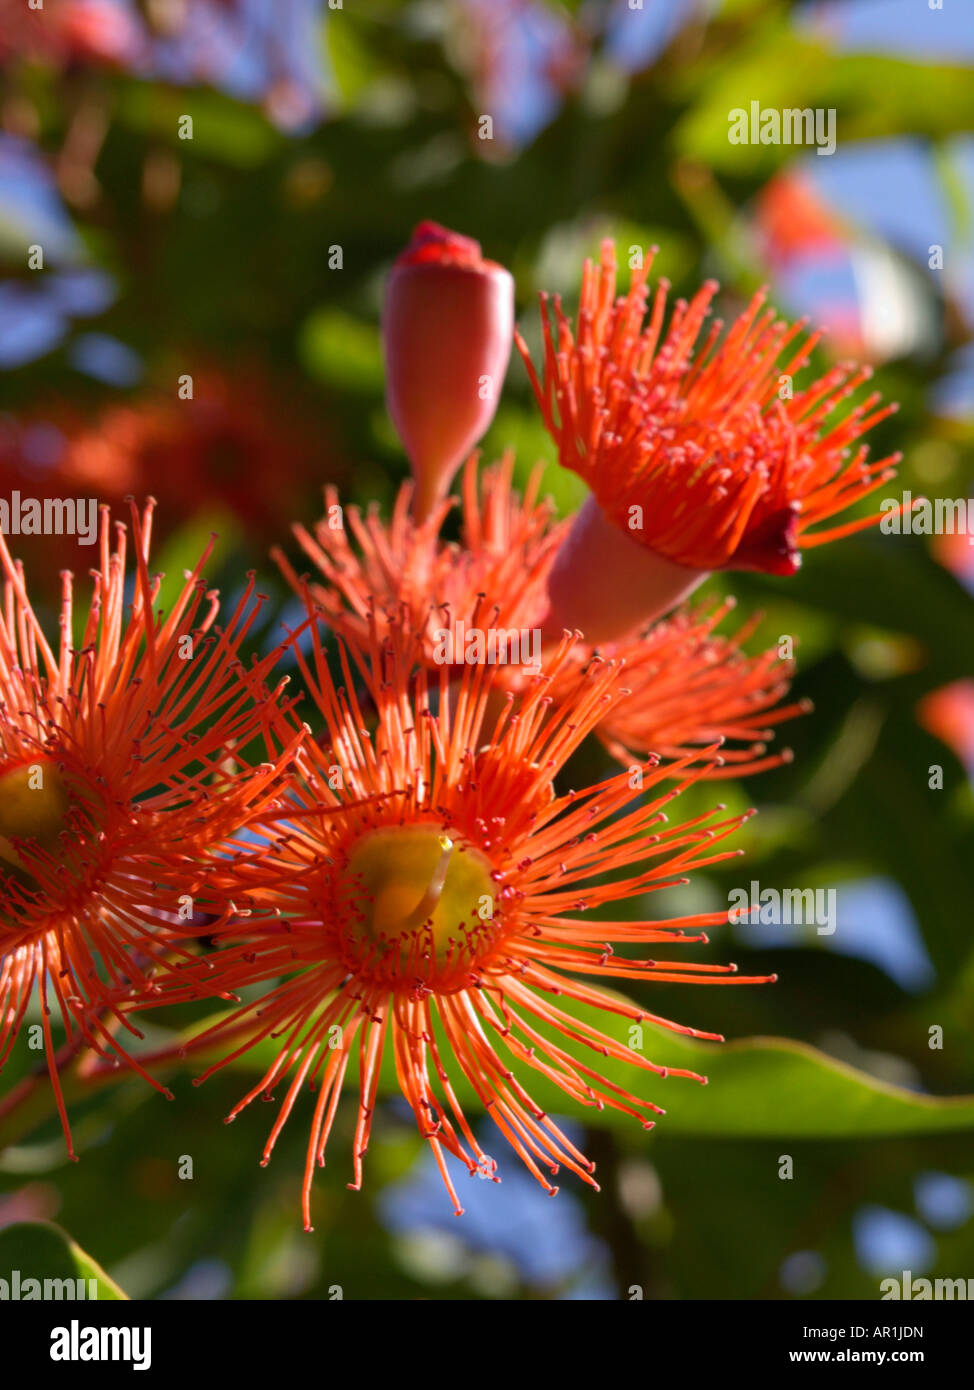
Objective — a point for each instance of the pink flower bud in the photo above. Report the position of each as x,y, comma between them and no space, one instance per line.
448,326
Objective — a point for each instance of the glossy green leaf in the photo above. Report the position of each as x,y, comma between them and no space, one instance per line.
39,1260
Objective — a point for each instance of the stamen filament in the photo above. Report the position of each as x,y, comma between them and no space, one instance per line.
428,902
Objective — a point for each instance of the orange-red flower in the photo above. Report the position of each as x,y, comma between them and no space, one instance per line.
948,714
65,32
242,445
498,570
730,470
707,457
955,551
427,890
690,686
118,776
794,220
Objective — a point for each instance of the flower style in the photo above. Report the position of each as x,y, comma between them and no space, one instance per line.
698,458
118,775
690,687
426,890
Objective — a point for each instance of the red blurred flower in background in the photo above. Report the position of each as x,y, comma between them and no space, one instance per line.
948,714
241,446
69,31
955,551
794,220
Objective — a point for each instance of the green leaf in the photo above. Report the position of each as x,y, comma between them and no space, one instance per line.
353,64
891,584
43,1251
223,129
780,70
344,351
776,1087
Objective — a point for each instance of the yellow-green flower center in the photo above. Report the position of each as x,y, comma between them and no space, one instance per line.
33,803
420,907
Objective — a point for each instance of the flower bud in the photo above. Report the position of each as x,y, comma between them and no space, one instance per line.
447,326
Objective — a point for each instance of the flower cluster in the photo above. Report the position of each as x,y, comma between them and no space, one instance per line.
401,872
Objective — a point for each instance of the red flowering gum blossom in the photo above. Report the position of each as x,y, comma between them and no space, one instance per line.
448,328
793,221
698,449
